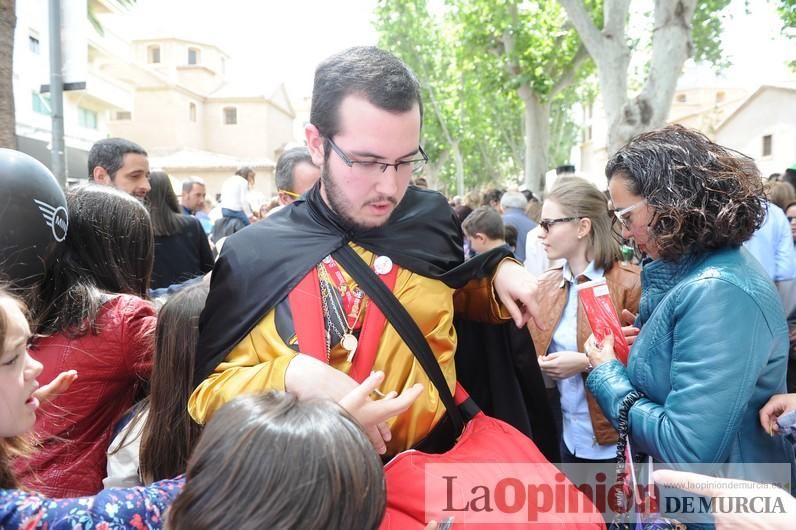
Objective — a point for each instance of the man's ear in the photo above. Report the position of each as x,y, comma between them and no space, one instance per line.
315,143
101,176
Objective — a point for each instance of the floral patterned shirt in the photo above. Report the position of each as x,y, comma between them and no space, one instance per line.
140,508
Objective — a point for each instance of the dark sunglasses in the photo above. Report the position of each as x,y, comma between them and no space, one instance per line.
547,223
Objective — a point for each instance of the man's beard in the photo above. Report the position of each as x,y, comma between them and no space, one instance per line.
340,205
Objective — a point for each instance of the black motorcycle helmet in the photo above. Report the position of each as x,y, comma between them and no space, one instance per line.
33,218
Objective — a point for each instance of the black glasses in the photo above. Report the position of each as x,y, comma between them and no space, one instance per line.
547,223
370,168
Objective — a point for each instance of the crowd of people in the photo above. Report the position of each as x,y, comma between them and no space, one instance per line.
168,363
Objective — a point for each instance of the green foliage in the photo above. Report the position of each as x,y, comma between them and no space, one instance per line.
92,15
471,57
787,10
707,25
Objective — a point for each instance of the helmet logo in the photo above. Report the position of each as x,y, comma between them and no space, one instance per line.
56,219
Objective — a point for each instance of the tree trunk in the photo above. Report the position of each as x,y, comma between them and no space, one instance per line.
459,159
8,21
671,46
537,138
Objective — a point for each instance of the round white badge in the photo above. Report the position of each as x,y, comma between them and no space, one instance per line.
382,265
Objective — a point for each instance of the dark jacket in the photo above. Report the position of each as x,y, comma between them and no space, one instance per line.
183,255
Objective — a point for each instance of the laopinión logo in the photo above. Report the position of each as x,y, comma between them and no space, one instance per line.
55,217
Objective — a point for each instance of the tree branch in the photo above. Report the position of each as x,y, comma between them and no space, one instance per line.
588,32
568,75
615,17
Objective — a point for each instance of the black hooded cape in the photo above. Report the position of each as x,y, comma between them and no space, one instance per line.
262,263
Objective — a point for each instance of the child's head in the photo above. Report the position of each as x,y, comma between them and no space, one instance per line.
109,247
18,371
272,461
484,228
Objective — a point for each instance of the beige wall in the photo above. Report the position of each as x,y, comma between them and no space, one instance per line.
174,53
248,138
280,131
200,78
772,112
161,119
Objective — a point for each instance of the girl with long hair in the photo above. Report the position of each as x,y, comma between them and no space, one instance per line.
159,438
91,315
576,226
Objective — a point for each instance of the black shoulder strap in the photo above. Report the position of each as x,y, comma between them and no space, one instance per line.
403,323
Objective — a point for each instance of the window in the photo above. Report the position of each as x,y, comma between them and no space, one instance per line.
230,116
33,43
192,111
681,98
767,145
123,115
41,103
720,96
153,54
193,55
86,118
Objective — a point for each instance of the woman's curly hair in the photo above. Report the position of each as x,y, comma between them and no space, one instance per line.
705,196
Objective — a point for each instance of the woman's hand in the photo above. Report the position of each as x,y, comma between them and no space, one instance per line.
56,387
778,405
602,353
563,364
373,414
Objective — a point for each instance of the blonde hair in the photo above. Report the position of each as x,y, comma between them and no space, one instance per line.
781,194
579,198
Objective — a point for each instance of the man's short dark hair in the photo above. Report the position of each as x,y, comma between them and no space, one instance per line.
187,186
484,220
283,175
109,155
377,75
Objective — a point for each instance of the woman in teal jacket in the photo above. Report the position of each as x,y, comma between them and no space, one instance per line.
713,345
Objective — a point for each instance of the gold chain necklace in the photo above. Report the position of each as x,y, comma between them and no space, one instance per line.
348,340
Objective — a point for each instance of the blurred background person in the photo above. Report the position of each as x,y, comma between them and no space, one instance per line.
235,195
182,251
294,174
192,197
484,229
513,204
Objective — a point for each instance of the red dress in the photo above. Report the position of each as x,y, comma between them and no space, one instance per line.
74,430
